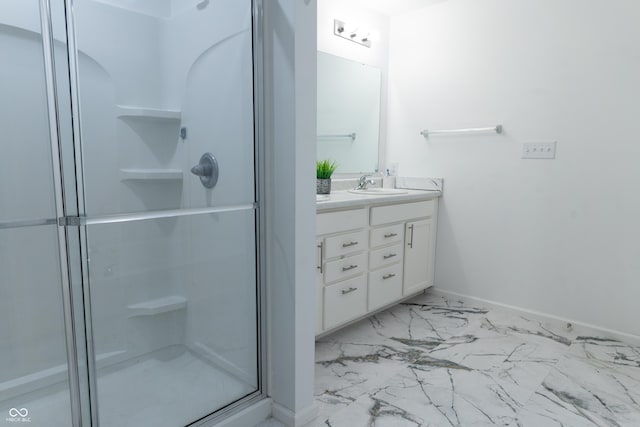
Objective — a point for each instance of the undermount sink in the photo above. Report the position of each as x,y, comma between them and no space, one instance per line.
379,191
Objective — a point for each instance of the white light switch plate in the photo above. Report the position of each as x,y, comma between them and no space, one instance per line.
539,150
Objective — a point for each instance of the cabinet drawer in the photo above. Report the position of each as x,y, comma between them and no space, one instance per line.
385,286
344,244
344,268
335,222
385,256
345,301
387,235
401,212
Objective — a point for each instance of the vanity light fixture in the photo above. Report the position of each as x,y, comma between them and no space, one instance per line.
355,34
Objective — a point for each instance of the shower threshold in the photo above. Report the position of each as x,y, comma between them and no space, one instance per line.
154,390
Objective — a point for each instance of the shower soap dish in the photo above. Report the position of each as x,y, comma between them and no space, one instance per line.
158,306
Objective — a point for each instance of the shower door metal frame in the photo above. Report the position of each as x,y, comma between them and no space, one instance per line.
77,314
58,184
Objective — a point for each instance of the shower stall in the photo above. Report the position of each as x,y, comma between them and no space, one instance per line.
130,273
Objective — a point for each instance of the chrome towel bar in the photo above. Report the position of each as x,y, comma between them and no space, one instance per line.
346,135
427,133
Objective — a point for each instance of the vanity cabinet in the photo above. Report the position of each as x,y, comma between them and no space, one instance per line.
370,258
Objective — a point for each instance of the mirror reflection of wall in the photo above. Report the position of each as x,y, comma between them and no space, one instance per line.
348,104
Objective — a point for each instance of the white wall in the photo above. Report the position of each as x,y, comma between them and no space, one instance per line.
557,236
377,55
290,109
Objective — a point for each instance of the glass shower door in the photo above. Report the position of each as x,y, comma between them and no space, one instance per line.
165,166
34,380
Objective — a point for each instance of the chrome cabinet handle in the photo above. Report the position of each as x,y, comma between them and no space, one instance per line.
348,291
321,246
388,276
389,256
411,239
351,267
386,236
346,245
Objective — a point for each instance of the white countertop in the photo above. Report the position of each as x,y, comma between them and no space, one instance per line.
343,199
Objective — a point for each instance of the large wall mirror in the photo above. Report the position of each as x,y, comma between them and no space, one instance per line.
348,113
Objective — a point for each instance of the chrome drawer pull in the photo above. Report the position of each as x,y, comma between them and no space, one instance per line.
386,236
351,267
389,256
348,291
346,245
388,276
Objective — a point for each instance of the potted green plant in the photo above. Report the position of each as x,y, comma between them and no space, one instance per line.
324,170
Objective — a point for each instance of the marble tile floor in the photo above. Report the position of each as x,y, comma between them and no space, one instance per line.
437,362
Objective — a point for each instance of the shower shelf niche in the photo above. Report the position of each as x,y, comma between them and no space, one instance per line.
148,113
151,175
158,306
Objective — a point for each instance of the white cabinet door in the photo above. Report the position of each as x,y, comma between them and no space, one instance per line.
418,256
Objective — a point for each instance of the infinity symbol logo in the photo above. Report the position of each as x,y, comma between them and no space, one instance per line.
22,412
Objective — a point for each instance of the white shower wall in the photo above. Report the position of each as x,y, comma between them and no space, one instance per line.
23,84
164,65
138,261
208,62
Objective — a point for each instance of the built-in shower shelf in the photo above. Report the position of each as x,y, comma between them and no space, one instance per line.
148,113
150,175
158,306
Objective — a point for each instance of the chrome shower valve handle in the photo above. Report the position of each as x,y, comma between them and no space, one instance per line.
207,170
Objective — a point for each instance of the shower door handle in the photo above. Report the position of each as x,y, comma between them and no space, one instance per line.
207,170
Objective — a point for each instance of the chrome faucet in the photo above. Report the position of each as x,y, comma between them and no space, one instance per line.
363,182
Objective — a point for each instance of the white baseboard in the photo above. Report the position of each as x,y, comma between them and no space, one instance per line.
302,418
582,328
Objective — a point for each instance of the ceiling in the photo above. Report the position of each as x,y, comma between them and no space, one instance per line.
394,7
